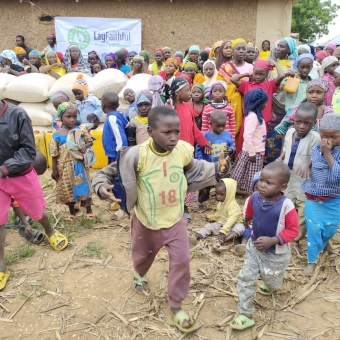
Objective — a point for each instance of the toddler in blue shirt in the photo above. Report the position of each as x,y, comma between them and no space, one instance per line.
221,142
89,106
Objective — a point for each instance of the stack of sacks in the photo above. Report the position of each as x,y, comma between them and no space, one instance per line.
41,120
5,79
29,88
107,80
137,83
65,83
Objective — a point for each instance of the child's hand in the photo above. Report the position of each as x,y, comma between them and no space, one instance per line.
304,171
223,163
325,145
221,238
106,193
208,149
83,148
25,62
95,124
290,73
263,243
55,175
252,159
228,151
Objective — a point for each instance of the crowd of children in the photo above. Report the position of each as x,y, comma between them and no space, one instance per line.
206,123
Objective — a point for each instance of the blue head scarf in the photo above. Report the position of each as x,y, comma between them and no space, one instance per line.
293,54
300,57
253,101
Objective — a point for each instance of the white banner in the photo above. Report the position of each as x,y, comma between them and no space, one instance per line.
103,35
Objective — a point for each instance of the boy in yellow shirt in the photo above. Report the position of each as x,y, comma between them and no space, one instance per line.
156,176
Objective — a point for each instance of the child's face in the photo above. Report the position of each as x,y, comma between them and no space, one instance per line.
315,95
208,71
69,118
332,136
137,65
52,58
330,69
304,67
329,50
131,55
265,46
191,72
184,94
166,133
96,68
227,50
240,51
78,94
144,109
159,56
259,75
170,68
92,59
270,185
57,101
196,95
34,60
303,123
129,96
109,61
167,53
193,56
217,125
250,54
218,93
336,78
75,53
263,106
221,193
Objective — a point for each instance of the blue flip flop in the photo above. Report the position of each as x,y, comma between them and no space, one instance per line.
188,217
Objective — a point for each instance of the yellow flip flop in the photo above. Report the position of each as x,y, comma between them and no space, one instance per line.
56,239
3,279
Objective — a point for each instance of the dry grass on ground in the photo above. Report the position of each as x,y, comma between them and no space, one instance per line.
85,292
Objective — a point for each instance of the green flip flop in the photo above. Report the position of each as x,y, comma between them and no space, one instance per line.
139,280
264,290
242,322
179,318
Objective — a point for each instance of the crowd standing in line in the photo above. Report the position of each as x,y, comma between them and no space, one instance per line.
232,119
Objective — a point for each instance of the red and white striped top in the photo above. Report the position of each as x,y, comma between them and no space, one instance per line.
230,123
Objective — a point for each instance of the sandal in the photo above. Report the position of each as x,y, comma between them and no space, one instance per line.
240,249
70,218
36,238
264,290
139,280
114,206
90,217
179,318
3,279
119,215
56,239
242,322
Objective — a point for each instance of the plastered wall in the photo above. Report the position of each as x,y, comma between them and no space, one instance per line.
178,24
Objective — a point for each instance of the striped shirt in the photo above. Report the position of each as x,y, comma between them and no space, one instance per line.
323,181
229,112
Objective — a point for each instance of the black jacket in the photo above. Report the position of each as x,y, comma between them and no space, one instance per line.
17,146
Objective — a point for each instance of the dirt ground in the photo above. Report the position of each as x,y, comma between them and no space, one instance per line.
85,291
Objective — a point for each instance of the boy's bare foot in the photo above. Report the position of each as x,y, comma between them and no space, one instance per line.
310,269
297,247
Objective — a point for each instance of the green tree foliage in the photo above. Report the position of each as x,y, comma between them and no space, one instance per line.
312,17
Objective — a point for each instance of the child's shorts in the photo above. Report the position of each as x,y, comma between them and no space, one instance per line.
27,192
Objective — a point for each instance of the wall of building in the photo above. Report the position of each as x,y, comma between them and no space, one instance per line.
274,20
178,24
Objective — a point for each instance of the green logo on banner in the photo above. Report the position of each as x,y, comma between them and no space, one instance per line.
79,36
